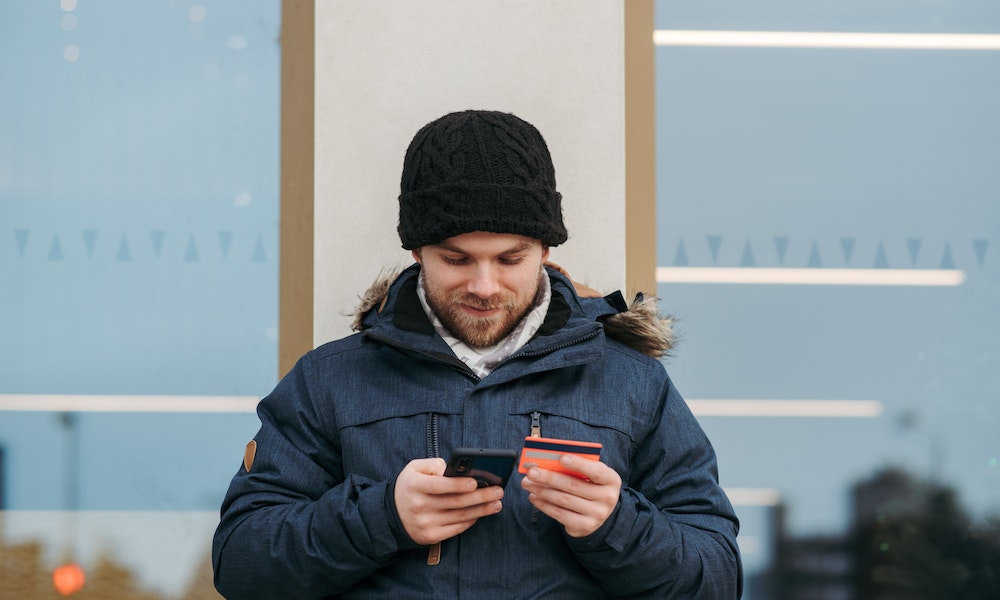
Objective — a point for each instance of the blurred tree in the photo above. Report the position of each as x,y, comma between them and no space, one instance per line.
912,540
108,580
24,575
21,572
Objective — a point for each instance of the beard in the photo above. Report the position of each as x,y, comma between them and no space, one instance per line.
474,331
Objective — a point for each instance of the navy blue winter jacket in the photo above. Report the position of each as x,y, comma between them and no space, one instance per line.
314,516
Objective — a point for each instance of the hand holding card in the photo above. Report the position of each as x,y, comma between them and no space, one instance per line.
546,452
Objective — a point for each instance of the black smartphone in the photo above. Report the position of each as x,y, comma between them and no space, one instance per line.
488,466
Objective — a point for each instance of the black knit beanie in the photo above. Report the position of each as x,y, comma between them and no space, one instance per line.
478,171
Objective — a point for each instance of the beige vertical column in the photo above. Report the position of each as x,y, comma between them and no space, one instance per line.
296,249
580,70
640,148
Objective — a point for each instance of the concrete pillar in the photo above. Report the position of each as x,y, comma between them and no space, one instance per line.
361,77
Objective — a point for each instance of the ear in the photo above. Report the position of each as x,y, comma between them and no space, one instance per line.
415,253
545,253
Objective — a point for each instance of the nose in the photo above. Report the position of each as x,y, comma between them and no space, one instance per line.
483,281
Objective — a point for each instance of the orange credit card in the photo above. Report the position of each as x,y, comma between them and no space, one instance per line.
546,452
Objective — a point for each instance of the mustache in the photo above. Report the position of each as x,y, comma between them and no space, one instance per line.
491,303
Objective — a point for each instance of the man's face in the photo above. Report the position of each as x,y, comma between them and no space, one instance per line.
482,284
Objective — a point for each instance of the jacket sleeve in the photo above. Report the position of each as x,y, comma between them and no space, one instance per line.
293,526
673,534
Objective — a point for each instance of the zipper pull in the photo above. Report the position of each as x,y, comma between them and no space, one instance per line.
434,554
536,424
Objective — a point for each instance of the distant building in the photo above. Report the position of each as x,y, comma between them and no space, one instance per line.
813,568
908,540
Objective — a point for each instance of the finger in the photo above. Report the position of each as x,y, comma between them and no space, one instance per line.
465,498
564,509
443,525
565,500
538,478
594,470
472,513
432,519
449,485
427,466
574,523
558,490
577,504
456,522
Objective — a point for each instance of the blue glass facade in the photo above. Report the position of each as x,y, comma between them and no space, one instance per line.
139,202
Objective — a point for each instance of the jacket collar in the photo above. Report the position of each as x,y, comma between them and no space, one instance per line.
392,299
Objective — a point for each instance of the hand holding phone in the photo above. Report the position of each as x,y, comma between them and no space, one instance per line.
432,508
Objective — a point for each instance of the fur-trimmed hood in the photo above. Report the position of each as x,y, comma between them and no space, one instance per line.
639,325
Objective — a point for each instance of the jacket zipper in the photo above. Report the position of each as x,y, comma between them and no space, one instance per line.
457,364
536,431
549,350
433,451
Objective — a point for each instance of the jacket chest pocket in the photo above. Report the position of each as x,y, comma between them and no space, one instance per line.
568,422
380,437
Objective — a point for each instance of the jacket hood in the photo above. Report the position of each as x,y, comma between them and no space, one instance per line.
637,324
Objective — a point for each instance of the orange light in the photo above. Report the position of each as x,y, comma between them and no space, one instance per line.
68,578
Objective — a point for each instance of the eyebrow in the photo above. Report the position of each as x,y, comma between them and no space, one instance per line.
520,247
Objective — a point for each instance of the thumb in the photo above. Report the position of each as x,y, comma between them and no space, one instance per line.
427,466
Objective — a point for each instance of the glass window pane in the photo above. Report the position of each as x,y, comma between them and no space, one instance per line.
138,309
827,235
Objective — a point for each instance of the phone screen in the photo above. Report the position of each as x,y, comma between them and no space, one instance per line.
488,466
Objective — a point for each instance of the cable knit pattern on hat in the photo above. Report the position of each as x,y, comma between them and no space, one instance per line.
478,171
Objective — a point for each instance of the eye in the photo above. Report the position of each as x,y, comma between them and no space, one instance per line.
454,260
511,260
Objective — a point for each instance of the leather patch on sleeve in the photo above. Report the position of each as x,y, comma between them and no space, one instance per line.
248,455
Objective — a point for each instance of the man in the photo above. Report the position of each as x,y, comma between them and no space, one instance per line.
479,344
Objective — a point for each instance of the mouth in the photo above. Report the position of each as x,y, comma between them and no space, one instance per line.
478,311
